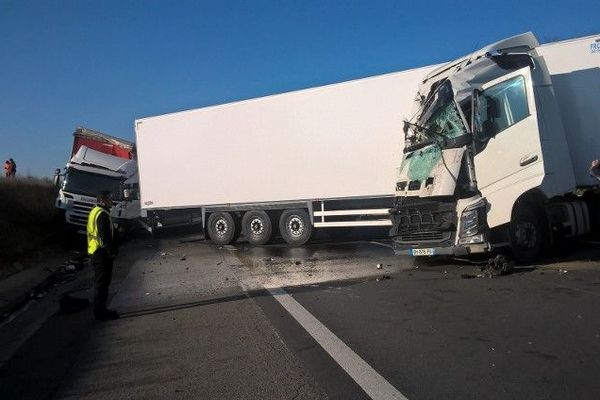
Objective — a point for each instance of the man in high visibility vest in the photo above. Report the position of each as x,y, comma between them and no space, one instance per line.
102,249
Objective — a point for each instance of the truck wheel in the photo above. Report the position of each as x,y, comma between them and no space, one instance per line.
295,227
257,227
221,228
526,232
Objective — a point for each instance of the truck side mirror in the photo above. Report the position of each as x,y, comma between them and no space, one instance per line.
56,177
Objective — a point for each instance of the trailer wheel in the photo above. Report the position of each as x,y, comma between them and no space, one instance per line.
257,227
526,232
221,228
295,227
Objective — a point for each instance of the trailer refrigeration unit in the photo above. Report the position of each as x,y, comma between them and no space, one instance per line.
498,151
98,162
294,162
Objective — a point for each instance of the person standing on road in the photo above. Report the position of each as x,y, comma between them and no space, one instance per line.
102,249
7,169
13,167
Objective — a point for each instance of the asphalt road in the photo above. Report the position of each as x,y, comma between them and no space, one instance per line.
322,321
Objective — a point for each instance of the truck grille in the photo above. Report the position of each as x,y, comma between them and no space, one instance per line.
418,220
79,212
420,237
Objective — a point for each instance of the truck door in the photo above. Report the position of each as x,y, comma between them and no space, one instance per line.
509,157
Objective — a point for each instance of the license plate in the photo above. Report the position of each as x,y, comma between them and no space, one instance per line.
422,252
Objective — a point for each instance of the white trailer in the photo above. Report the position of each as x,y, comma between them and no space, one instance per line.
321,157
498,152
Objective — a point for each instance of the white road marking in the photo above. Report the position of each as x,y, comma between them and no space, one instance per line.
382,244
375,385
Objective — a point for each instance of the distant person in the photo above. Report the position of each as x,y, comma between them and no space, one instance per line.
595,169
102,249
7,169
13,168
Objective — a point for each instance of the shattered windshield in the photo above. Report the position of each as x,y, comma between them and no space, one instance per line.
439,118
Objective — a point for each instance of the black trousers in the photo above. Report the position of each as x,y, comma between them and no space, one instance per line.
102,263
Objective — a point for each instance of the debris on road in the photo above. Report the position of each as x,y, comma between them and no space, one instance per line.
298,262
498,266
562,271
379,266
383,277
70,268
163,254
183,258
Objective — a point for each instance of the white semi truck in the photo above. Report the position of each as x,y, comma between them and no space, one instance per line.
316,158
98,162
498,149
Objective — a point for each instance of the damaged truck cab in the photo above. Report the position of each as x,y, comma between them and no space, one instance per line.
487,161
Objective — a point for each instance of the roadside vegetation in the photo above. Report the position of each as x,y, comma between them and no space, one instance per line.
28,219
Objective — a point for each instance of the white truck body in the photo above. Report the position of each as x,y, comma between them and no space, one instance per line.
330,142
574,67
89,172
540,105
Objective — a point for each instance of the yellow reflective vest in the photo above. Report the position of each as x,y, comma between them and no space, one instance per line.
94,241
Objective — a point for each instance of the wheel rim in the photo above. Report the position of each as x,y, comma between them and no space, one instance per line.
525,235
296,226
257,226
221,227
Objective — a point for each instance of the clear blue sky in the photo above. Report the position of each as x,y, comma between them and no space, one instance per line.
102,64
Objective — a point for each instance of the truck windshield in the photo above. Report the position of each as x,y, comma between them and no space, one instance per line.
439,118
90,184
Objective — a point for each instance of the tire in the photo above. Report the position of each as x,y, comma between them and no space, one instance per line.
221,228
526,234
257,227
295,227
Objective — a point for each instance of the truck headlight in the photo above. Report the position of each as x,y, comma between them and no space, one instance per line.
472,220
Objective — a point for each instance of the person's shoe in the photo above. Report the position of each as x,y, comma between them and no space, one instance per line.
106,315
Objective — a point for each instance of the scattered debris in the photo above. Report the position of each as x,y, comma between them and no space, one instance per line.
163,254
379,266
497,266
70,268
147,293
268,259
183,258
468,276
298,262
220,262
562,271
383,277
579,316
309,274
38,294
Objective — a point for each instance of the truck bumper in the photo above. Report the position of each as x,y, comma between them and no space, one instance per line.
407,250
